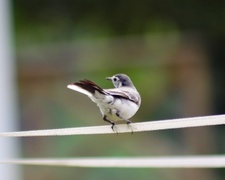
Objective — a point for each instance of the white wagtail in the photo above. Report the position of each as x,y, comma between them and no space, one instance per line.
117,104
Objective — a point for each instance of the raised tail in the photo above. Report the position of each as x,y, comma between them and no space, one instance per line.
86,87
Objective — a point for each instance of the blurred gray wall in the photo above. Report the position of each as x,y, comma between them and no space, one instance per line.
9,147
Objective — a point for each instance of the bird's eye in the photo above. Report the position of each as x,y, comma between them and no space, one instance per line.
114,79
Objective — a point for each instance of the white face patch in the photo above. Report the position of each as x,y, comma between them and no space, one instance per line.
116,82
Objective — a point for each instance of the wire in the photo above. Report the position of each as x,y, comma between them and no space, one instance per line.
123,128
213,161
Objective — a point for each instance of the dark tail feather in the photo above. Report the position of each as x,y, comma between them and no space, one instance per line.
89,86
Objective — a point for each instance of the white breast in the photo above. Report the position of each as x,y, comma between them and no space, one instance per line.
122,107
112,107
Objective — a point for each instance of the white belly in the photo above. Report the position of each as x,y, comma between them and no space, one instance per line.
115,109
120,109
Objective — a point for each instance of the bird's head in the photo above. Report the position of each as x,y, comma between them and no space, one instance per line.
120,80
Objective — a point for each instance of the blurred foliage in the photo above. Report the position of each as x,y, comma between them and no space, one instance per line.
51,20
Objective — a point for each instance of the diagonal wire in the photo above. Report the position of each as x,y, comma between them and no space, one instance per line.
134,127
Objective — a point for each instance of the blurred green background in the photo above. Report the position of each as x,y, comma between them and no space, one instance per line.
172,50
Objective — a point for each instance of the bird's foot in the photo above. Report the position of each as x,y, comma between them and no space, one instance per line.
113,127
128,124
112,123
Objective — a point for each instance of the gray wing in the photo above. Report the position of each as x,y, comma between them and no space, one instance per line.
125,94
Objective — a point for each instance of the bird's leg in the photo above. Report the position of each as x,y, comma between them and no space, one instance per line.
127,120
128,123
111,122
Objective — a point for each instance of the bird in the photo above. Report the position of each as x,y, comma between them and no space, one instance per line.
117,104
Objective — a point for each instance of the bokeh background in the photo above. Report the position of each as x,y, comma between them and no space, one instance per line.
174,51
